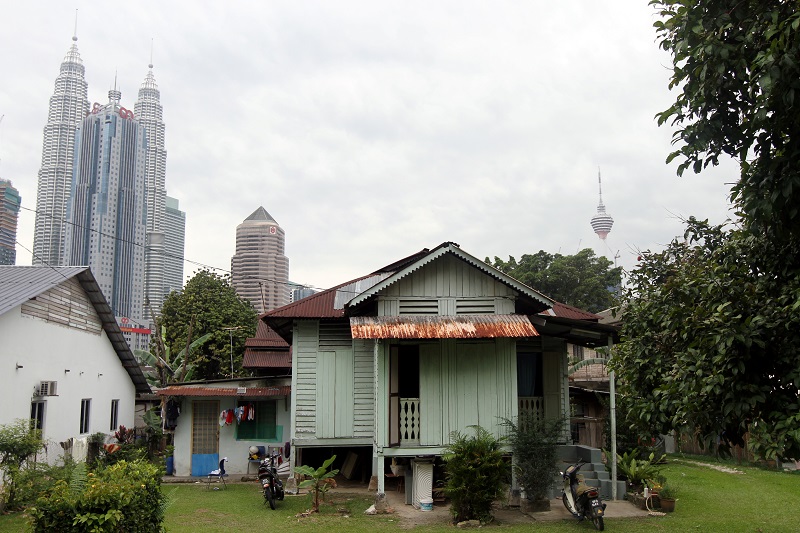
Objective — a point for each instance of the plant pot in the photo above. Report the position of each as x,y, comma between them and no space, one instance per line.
667,504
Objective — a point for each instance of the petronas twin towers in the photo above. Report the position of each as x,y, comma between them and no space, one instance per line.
102,195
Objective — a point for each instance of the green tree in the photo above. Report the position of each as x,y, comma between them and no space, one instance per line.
711,329
736,65
583,280
209,302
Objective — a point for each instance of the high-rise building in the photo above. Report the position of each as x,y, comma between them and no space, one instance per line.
299,292
68,105
149,113
174,239
259,269
10,200
106,212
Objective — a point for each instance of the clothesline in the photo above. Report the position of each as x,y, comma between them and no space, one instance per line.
243,413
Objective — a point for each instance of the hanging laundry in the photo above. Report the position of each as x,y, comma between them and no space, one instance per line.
229,417
222,416
252,412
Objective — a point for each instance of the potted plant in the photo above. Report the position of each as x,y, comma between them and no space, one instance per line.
656,483
667,496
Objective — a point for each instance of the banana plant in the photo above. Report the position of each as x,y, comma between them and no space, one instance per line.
169,368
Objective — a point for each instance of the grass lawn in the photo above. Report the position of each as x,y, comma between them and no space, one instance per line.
709,501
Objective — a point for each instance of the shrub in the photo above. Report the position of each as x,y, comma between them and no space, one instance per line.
637,471
534,442
37,478
123,497
127,452
18,442
476,474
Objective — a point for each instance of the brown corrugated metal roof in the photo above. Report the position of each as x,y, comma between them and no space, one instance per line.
266,359
249,392
567,311
441,327
265,337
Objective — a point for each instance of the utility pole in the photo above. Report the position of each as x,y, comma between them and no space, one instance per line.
230,331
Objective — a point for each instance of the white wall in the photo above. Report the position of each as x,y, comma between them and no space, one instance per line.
235,451
45,350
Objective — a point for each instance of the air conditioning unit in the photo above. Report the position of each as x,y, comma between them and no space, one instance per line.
48,388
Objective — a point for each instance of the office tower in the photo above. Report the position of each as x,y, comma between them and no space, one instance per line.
259,269
106,208
300,292
10,200
149,113
174,238
68,105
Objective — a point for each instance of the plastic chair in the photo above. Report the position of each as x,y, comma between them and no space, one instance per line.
219,473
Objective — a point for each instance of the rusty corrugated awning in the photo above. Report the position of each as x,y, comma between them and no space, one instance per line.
441,327
242,392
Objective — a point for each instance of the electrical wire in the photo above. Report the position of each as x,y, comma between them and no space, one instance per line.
174,256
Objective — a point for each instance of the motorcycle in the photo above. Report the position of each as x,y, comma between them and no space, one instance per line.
268,477
580,499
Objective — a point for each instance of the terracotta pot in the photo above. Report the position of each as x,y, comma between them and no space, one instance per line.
667,505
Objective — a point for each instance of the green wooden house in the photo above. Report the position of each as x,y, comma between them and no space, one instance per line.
386,366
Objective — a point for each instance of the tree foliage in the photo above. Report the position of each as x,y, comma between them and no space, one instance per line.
736,64
169,367
711,330
583,280
209,302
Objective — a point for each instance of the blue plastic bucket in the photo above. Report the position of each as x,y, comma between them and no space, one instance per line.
426,504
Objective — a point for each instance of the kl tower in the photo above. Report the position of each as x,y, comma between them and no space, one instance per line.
601,221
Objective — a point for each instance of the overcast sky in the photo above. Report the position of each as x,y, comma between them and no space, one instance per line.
371,130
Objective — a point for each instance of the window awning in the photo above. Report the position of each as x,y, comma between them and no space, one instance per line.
441,327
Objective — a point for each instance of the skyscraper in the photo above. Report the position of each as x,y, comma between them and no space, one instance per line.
10,201
259,269
149,113
174,239
106,208
68,105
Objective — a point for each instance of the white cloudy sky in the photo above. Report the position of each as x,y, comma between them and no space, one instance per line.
371,130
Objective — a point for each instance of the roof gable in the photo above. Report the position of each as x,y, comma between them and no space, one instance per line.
436,254
18,284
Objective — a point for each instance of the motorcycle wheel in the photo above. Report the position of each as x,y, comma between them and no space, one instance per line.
564,499
269,498
598,523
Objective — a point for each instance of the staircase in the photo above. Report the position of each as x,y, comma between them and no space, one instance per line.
594,471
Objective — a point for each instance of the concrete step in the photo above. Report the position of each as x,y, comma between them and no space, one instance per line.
605,489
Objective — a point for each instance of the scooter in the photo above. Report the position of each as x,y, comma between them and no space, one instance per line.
268,476
580,499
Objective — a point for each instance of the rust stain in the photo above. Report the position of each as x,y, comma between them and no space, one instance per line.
442,327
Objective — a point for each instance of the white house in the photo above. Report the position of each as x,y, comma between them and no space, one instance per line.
65,362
